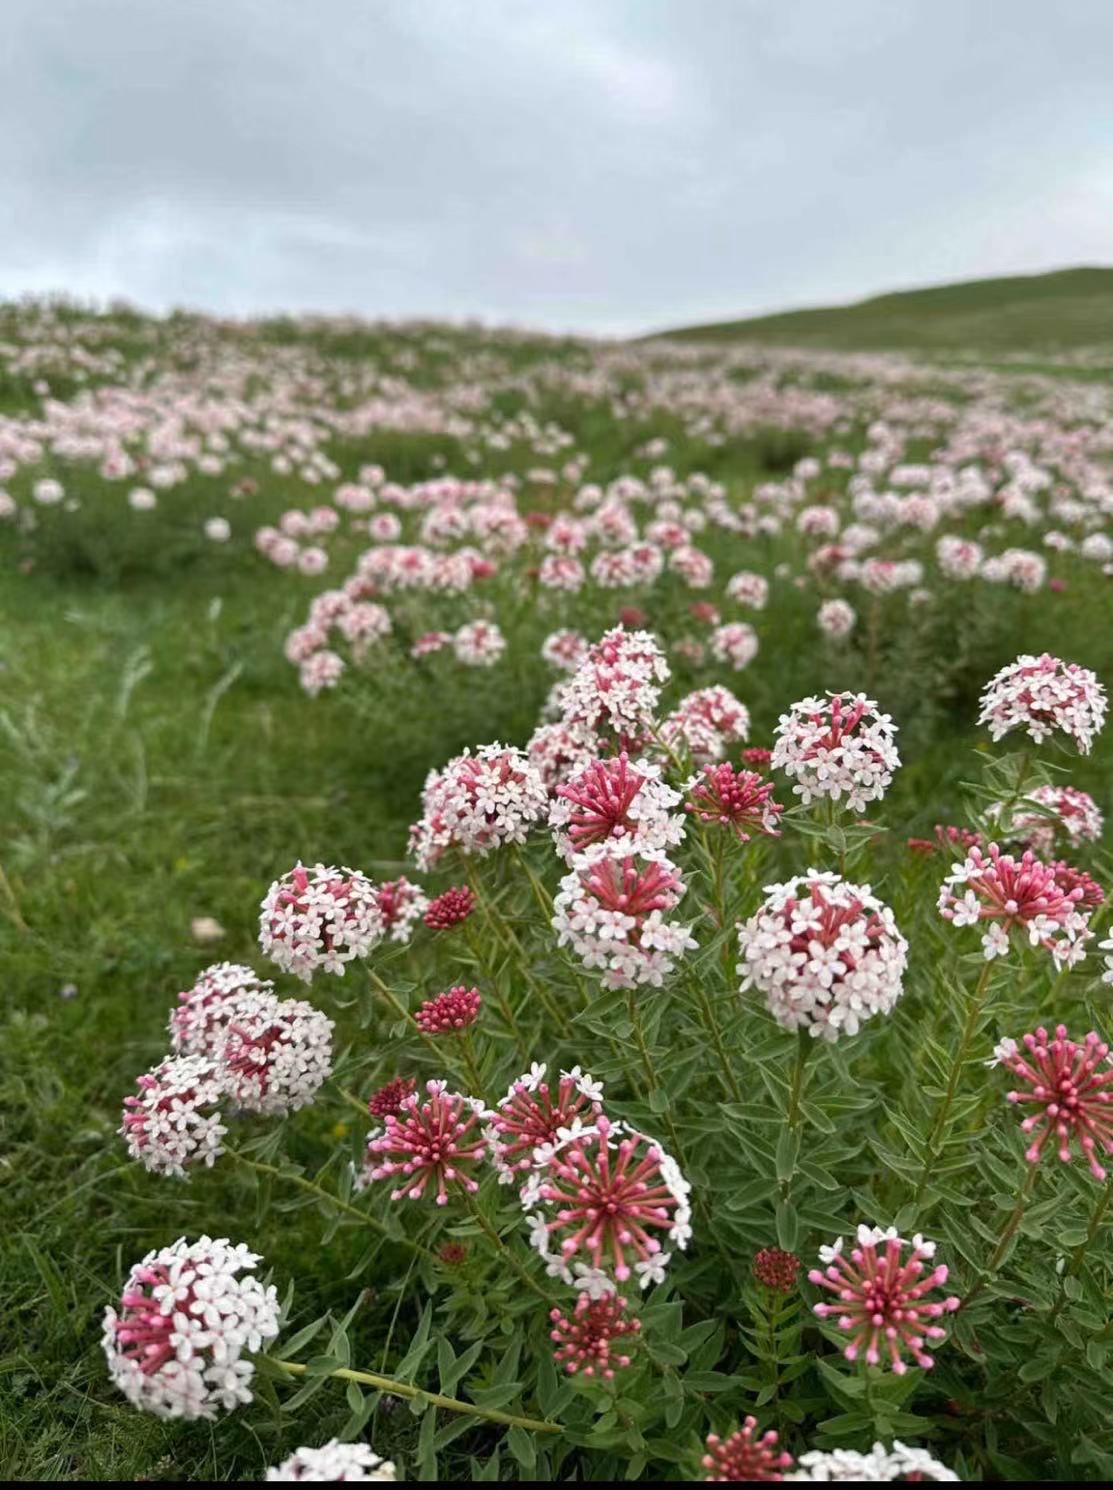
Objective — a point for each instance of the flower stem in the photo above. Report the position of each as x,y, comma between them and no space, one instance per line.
1007,1234
312,1188
933,1147
502,1251
711,1025
650,1071
404,1389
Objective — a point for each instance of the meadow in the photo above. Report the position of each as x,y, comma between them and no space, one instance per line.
257,580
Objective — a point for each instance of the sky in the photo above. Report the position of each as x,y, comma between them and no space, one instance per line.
607,166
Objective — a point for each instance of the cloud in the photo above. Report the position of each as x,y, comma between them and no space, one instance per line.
600,164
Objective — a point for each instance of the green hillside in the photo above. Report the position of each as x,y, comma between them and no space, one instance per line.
1069,309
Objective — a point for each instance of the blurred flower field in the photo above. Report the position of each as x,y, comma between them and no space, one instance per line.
573,876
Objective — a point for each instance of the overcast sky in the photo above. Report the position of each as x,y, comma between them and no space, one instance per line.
606,165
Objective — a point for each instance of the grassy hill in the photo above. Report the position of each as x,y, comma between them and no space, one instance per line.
1063,311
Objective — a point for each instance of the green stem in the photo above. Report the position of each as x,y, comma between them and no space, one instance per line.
804,1043
933,1147
502,1251
497,994
651,1073
711,1025
469,1062
312,1188
1007,1234
403,1389
437,1051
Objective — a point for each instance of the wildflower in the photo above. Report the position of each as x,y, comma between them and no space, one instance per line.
174,1123
564,650
617,685
530,1120
881,1297
757,756
452,1254
557,751
836,618
179,1344
205,929
477,803
1041,695
334,1461
277,1053
319,919
776,1269
736,644
606,1195
585,1338
611,910
1016,894
320,670
826,954
450,1011
389,1098
706,722
401,905
611,799
835,747
898,1463
449,908
429,1144
738,800
947,838
479,644
749,589
1051,812
1071,879
1071,1087
744,1457
197,1026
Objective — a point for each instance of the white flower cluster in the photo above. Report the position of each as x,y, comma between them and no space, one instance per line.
1107,947
617,685
277,1053
898,1463
335,1461
477,803
611,909
190,1316
197,1025
826,954
1071,813
705,723
319,919
735,644
1041,695
836,747
836,618
175,1120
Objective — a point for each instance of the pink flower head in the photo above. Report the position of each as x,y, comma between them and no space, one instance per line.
881,1303
605,1198
174,1123
450,1011
277,1053
1070,1087
612,910
319,919
429,1145
585,1338
1016,894
531,1119
738,800
757,757
450,908
826,954
706,723
1070,879
947,839
1041,695
478,803
611,799
180,1344
617,685
389,1098
743,1456
1056,812
197,1026
401,905
835,747
776,1269
564,650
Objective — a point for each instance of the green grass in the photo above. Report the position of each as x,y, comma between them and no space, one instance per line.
1065,311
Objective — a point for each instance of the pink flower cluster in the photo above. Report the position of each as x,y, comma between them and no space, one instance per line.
532,1119
429,1144
585,1338
1016,894
740,801
319,919
477,803
1042,695
706,723
826,954
610,801
881,1297
616,687
745,1456
837,747
449,1012
1068,1085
